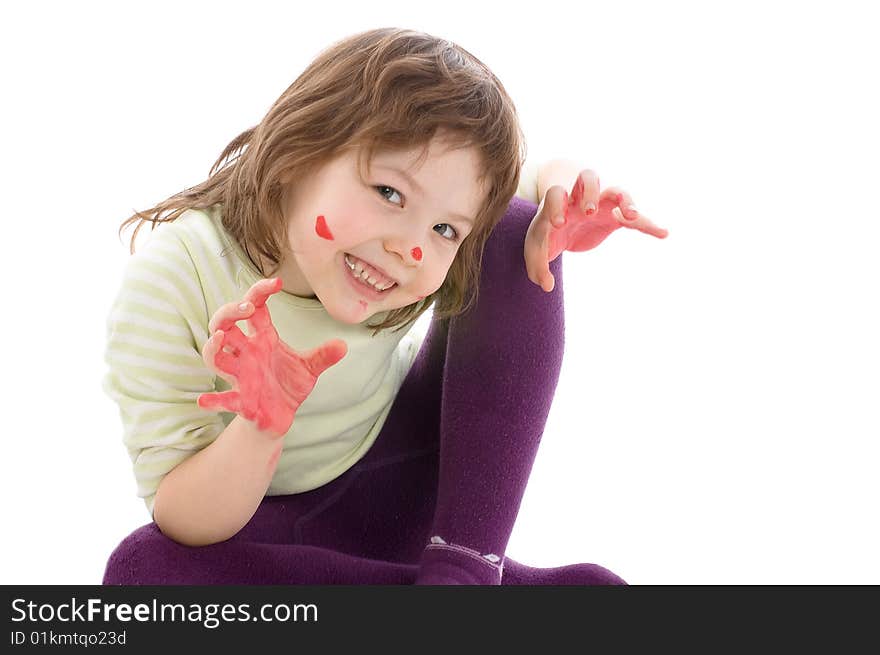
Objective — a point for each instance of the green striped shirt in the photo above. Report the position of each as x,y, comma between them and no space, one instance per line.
156,331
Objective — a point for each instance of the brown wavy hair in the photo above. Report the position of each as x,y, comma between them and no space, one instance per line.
383,89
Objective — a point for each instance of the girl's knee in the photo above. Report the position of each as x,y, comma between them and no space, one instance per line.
512,227
503,263
139,557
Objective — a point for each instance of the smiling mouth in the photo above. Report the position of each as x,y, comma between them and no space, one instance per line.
367,275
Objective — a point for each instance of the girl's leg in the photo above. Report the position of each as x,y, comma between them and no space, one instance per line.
486,380
148,557
384,506
501,368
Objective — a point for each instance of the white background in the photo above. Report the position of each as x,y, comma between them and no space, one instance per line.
716,420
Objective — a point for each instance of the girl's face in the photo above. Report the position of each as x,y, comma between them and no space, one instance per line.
369,245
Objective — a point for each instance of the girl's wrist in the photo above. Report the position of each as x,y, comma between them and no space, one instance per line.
251,431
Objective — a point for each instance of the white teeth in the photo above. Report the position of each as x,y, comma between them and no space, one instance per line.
357,270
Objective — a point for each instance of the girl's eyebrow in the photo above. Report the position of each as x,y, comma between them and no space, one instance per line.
406,176
415,185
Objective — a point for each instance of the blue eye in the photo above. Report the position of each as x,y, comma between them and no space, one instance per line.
382,188
453,236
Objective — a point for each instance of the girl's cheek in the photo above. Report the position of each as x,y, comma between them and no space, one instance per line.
437,277
322,229
338,227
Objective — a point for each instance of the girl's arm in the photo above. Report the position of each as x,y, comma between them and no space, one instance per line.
212,495
216,492
562,172
201,475
535,179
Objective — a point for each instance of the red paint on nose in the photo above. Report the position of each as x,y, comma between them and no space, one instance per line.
322,230
416,253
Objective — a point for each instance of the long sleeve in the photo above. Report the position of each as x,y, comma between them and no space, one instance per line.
155,368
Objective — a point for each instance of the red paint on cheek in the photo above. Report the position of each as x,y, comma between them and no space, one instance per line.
416,253
322,230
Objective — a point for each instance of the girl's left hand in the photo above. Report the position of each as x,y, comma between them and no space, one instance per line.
578,222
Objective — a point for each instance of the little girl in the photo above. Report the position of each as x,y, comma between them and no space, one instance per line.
327,442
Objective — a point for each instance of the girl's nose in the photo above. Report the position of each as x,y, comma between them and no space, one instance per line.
406,249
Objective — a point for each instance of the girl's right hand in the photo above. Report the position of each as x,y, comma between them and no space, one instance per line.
270,380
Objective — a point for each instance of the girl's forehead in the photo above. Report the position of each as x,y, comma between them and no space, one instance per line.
432,157
440,144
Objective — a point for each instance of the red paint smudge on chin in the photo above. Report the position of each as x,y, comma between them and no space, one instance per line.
322,230
416,253
362,303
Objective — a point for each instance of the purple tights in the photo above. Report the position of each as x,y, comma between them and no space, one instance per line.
435,499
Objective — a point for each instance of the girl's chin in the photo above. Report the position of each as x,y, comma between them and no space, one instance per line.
358,311
353,312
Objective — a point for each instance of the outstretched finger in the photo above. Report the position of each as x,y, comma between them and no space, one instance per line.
616,197
262,289
260,320
627,215
324,356
229,401
585,192
258,294
644,224
228,315
552,210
